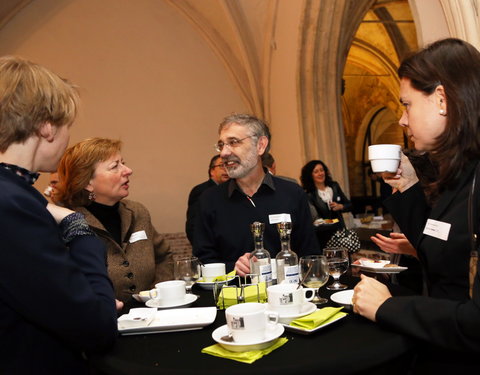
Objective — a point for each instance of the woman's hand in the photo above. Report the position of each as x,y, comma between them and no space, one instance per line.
334,206
58,213
405,177
397,243
242,265
369,294
118,304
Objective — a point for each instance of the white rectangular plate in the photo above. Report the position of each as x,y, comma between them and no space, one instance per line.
174,320
304,331
381,270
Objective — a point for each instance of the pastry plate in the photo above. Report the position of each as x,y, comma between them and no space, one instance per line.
175,320
343,298
189,299
381,269
307,308
271,335
305,331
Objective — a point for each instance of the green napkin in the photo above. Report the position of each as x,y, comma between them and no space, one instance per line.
246,357
318,318
228,295
225,277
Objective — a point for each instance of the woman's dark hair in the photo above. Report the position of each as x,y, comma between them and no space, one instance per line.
454,64
306,177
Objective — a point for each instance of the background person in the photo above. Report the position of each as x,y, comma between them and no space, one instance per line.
94,180
217,174
440,90
56,301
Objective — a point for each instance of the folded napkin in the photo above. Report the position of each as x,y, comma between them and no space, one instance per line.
246,357
318,318
229,295
139,317
226,277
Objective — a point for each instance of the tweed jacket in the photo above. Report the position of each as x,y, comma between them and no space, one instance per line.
144,258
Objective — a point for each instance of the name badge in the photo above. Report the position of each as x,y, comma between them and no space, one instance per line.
137,236
437,229
279,218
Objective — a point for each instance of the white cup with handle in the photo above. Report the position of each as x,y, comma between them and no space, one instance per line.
249,322
169,292
212,270
288,299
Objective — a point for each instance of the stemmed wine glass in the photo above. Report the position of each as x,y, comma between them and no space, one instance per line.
314,274
337,264
187,269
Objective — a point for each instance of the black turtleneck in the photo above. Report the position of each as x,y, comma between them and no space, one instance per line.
109,217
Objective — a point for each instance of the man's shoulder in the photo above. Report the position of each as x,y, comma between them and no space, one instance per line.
197,189
283,184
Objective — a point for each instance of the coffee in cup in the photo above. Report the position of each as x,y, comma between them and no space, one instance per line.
384,158
169,292
288,299
249,322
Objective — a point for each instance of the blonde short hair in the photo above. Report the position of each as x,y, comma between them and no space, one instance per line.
77,168
31,95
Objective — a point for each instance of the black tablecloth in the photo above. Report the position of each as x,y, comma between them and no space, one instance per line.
352,345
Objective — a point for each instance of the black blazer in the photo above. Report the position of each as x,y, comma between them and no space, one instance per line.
447,318
322,208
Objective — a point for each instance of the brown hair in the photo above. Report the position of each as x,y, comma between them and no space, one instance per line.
454,64
31,95
77,168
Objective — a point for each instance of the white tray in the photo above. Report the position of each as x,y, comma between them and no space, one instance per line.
175,320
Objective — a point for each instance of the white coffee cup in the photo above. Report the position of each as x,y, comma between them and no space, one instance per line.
169,292
288,299
249,322
212,270
384,158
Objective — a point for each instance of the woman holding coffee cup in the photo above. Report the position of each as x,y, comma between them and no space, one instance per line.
326,198
440,90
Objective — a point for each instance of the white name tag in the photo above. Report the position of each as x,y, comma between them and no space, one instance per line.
279,218
137,236
437,229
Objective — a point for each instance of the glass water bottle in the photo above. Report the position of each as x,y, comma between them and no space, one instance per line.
287,260
260,266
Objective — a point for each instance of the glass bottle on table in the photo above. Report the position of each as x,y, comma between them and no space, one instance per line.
260,267
286,259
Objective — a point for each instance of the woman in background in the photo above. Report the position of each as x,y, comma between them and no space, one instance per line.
94,180
326,199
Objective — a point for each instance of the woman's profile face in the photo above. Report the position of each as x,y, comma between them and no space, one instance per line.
421,116
110,180
318,174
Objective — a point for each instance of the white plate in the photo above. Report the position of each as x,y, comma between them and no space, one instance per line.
305,331
381,270
374,264
307,308
176,320
189,299
343,298
211,285
271,335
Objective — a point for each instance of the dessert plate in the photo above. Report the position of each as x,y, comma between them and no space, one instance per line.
270,336
343,298
170,320
189,299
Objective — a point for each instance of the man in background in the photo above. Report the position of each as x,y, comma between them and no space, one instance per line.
217,175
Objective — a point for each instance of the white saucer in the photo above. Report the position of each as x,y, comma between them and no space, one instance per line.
271,335
189,299
210,285
343,298
307,308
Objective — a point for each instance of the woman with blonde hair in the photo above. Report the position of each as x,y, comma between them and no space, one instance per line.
94,180
56,301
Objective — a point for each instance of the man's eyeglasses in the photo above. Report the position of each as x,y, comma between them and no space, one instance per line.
232,143
222,165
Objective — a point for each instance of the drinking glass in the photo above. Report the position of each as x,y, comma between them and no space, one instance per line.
314,274
337,264
187,269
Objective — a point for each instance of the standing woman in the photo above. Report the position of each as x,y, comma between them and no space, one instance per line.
56,301
440,91
94,180
326,198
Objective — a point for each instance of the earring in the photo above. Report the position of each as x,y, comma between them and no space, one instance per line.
91,196
442,112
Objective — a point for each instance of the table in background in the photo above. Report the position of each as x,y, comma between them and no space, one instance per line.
353,345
